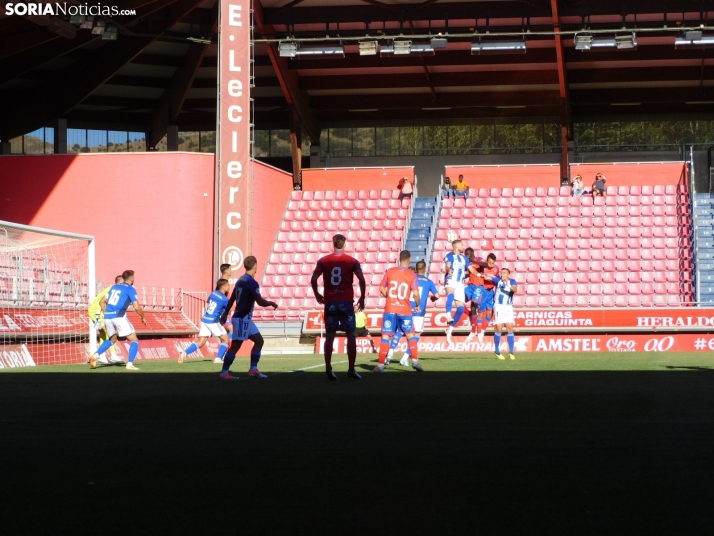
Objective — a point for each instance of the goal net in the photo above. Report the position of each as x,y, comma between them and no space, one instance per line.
47,281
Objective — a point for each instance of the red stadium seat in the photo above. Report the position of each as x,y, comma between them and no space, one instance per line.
530,192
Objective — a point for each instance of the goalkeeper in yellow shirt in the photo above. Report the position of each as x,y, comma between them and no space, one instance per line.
96,317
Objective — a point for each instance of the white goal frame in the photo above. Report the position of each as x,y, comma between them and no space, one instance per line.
91,268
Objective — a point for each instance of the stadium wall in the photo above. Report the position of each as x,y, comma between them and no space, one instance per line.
374,178
633,174
150,212
511,176
270,195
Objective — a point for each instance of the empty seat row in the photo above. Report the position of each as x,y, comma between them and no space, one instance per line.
593,267
611,222
320,241
485,233
565,191
364,224
678,201
356,214
561,212
600,300
605,288
330,195
359,204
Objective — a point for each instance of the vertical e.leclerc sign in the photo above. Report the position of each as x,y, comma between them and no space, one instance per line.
233,147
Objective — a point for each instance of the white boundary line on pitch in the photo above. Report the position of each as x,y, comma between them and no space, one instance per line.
314,367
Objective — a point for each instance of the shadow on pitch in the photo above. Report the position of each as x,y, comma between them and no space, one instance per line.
698,369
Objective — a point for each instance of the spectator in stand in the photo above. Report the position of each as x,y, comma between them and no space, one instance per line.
447,189
578,186
599,185
461,188
406,188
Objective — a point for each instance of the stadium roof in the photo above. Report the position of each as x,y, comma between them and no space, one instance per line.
156,74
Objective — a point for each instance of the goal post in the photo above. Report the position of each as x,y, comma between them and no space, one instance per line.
47,281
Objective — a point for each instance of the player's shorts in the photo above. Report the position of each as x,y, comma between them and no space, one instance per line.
244,328
418,322
391,322
340,316
503,314
458,287
120,326
362,332
486,300
474,293
214,329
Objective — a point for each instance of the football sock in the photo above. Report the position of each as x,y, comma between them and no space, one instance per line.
372,343
383,351
395,340
474,324
254,358
413,348
227,362
459,313
133,350
497,341
351,352
328,351
408,353
113,351
484,323
479,325
191,349
222,350
104,347
511,342
449,303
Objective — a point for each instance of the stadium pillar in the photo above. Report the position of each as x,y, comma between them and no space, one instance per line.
5,147
60,135
296,146
172,141
566,127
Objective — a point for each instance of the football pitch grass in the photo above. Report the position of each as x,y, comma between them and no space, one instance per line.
619,443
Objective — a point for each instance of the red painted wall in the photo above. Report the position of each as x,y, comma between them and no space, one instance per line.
150,212
520,176
384,178
271,192
646,173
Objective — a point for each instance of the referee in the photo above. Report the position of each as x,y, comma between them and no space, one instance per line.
361,325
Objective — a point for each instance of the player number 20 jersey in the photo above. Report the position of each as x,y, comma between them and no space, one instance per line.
399,282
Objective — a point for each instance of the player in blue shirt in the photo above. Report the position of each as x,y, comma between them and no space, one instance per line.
211,323
426,287
505,288
116,323
457,267
245,295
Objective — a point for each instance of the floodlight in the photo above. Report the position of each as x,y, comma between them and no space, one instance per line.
333,51
583,42
438,42
694,38
287,49
626,41
368,48
422,49
498,47
402,47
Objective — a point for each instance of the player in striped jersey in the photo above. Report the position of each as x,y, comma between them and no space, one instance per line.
505,288
455,266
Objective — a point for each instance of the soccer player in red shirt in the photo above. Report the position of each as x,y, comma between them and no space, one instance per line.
337,271
398,286
485,309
